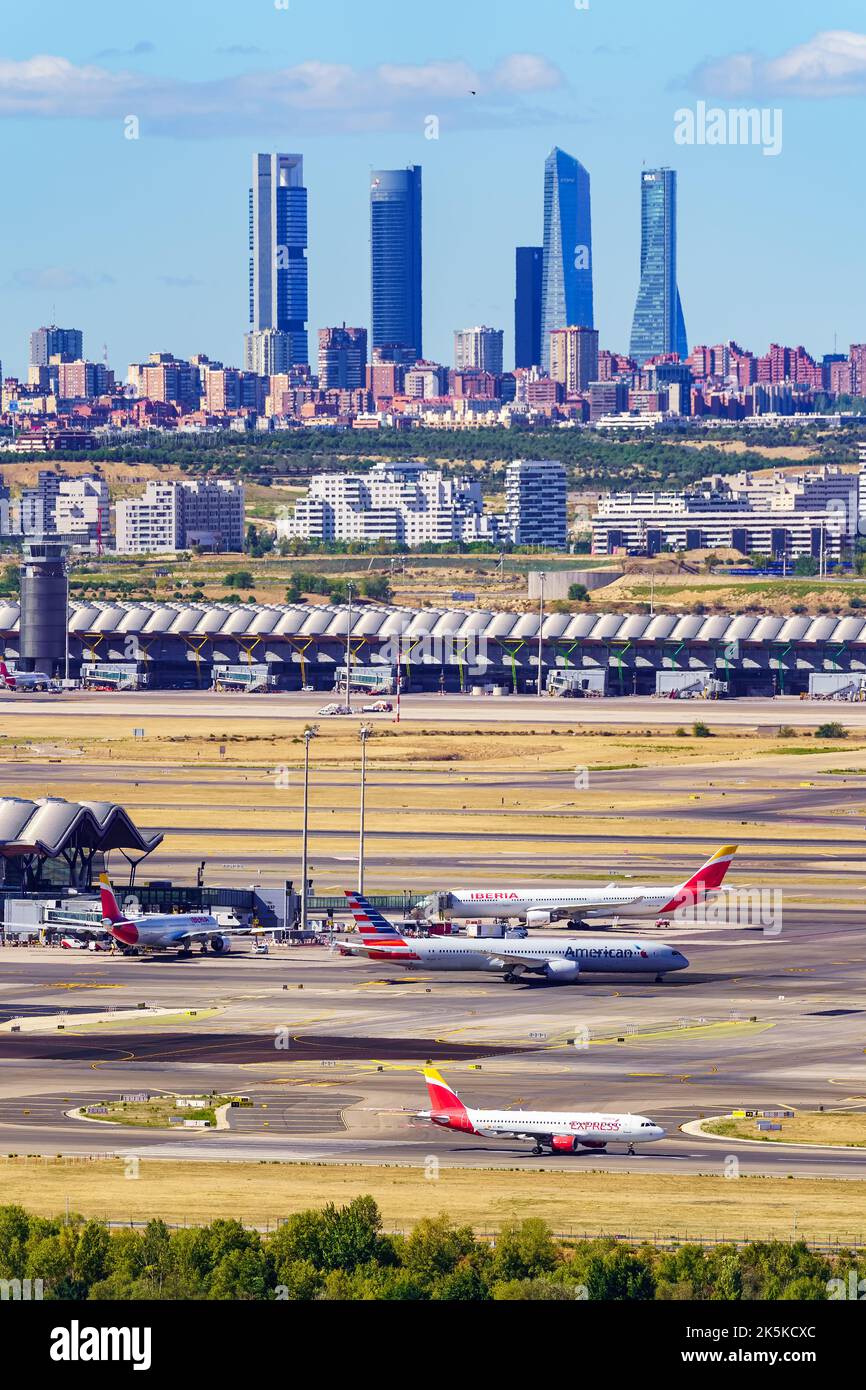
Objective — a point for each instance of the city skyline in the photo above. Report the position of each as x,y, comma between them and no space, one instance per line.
501,100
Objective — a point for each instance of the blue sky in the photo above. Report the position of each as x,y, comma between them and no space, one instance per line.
142,243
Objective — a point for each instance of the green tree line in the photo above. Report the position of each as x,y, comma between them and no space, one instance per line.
342,1253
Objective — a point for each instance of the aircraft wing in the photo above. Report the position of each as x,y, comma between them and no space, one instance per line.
527,961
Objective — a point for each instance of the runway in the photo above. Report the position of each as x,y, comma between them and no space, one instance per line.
624,711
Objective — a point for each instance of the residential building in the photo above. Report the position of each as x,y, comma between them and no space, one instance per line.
535,496
342,359
479,349
574,357
173,515
65,343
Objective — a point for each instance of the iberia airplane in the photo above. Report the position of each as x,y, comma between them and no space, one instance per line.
563,1131
538,907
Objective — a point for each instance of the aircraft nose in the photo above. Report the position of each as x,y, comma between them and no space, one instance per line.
680,961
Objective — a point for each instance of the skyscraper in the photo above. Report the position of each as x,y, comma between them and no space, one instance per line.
278,263
528,265
342,358
658,326
574,357
566,295
395,258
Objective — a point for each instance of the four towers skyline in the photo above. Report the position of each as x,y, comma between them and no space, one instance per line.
553,282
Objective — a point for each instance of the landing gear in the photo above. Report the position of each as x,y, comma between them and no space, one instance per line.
573,924
509,977
630,1150
660,979
537,1149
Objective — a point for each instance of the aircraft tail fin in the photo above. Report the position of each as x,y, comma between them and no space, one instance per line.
708,878
443,1099
111,913
371,923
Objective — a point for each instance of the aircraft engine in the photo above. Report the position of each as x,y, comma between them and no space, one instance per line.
564,1144
220,945
537,918
562,972
593,1143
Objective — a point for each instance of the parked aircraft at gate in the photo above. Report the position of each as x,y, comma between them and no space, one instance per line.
540,907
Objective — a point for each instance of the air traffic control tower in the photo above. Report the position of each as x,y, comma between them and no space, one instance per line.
44,606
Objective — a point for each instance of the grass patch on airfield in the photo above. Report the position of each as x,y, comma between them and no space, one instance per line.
812,1127
571,1199
160,1112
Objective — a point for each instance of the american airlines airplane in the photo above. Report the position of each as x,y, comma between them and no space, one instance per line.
560,959
161,931
559,1131
540,907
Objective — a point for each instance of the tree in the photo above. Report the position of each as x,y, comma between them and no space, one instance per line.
805,566
524,1250
435,1248
578,593
239,579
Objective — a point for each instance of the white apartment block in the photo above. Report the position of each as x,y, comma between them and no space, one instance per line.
82,510
782,515
173,515
535,497
409,504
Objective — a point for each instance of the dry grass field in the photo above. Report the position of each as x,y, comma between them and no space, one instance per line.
571,1201
847,1128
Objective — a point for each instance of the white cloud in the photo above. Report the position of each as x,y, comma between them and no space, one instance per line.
831,63
58,277
310,97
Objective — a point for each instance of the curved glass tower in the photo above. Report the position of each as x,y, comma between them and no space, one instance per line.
658,326
395,258
566,287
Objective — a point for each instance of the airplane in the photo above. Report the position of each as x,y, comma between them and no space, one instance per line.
23,680
161,931
561,960
540,907
559,1131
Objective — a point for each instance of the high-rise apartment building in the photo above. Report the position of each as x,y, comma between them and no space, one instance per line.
566,294
342,359
278,262
658,326
172,515
528,276
535,514
478,349
65,343
395,258
574,357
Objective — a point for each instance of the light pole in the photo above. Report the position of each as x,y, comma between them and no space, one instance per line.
540,623
349,651
363,733
309,733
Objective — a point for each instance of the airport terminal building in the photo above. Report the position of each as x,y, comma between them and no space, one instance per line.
286,647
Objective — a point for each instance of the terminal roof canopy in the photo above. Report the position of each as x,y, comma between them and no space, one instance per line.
51,826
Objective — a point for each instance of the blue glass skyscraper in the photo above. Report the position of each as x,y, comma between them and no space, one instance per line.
658,326
395,258
278,255
528,266
566,295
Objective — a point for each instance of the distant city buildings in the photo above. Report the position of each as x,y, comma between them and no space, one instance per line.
566,290
172,516
528,281
395,259
658,326
535,496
